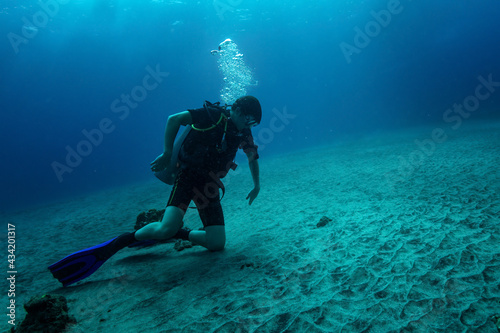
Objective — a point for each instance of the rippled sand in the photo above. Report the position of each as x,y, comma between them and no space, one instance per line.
409,248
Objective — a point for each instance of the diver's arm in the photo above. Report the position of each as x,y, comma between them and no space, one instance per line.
174,122
254,170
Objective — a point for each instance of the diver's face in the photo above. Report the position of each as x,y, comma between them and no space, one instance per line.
239,119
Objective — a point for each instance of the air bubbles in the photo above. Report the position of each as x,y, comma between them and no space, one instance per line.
236,74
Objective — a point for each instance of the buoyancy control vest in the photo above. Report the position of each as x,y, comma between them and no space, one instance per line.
204,147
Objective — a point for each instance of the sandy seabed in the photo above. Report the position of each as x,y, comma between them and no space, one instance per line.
413,245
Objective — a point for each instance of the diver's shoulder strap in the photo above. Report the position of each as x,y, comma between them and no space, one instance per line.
223,109
222,120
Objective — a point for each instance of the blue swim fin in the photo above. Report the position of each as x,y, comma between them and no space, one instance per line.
82,264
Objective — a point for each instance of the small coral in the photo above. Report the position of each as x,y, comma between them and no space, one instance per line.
144,218
182,244
46,313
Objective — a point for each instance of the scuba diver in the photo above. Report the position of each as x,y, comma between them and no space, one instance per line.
205,156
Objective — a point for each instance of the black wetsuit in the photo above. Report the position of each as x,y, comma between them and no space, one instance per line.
207,156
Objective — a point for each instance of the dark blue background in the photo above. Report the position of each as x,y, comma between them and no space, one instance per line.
64,79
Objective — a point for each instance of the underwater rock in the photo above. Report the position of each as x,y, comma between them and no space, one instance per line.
323,221
47,313
145,218
182,244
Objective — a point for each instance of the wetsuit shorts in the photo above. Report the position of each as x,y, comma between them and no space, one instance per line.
203,190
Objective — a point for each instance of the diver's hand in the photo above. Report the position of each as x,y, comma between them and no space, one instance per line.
252,195
161,162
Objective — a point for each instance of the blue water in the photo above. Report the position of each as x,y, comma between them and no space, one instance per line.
64,64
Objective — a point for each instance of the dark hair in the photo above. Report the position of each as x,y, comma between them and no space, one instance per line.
250,106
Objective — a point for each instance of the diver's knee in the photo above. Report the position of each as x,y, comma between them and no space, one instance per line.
215,237
166,232
216,246
170,224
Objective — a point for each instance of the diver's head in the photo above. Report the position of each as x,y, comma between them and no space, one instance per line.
247,111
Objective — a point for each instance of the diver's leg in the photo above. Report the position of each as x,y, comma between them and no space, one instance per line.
213,237
167,228
179,200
